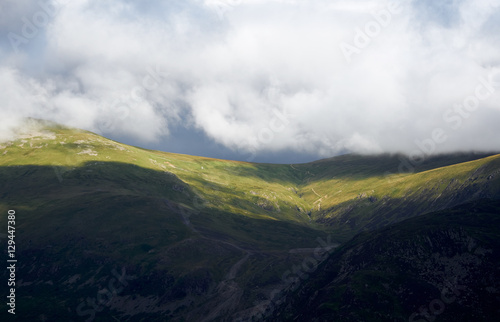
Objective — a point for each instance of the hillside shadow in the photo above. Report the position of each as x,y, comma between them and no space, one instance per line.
92,176
125,195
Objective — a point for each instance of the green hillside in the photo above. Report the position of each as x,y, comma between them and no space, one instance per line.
354,193
201,238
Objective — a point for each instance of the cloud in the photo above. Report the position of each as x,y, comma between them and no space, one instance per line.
315,77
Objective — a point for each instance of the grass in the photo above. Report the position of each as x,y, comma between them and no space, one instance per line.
86,204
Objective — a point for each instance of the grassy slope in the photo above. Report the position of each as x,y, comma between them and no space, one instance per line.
87,205
344,178
99,202
236,187
326,189
353,193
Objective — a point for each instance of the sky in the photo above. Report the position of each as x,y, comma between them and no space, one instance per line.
283,81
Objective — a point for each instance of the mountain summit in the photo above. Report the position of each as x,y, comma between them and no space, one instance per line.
106,230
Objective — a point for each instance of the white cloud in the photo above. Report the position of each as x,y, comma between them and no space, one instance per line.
137,71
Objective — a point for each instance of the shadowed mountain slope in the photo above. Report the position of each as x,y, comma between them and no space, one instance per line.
440,266
193,238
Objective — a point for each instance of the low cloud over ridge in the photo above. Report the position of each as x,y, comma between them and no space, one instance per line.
316,77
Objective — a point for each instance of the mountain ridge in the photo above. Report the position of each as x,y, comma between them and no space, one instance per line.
198,233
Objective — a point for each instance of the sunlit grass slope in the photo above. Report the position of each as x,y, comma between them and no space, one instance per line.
258,191
184,226
354,192
199,233
350,192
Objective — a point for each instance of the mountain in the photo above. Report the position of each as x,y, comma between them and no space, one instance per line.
439,266
109,231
